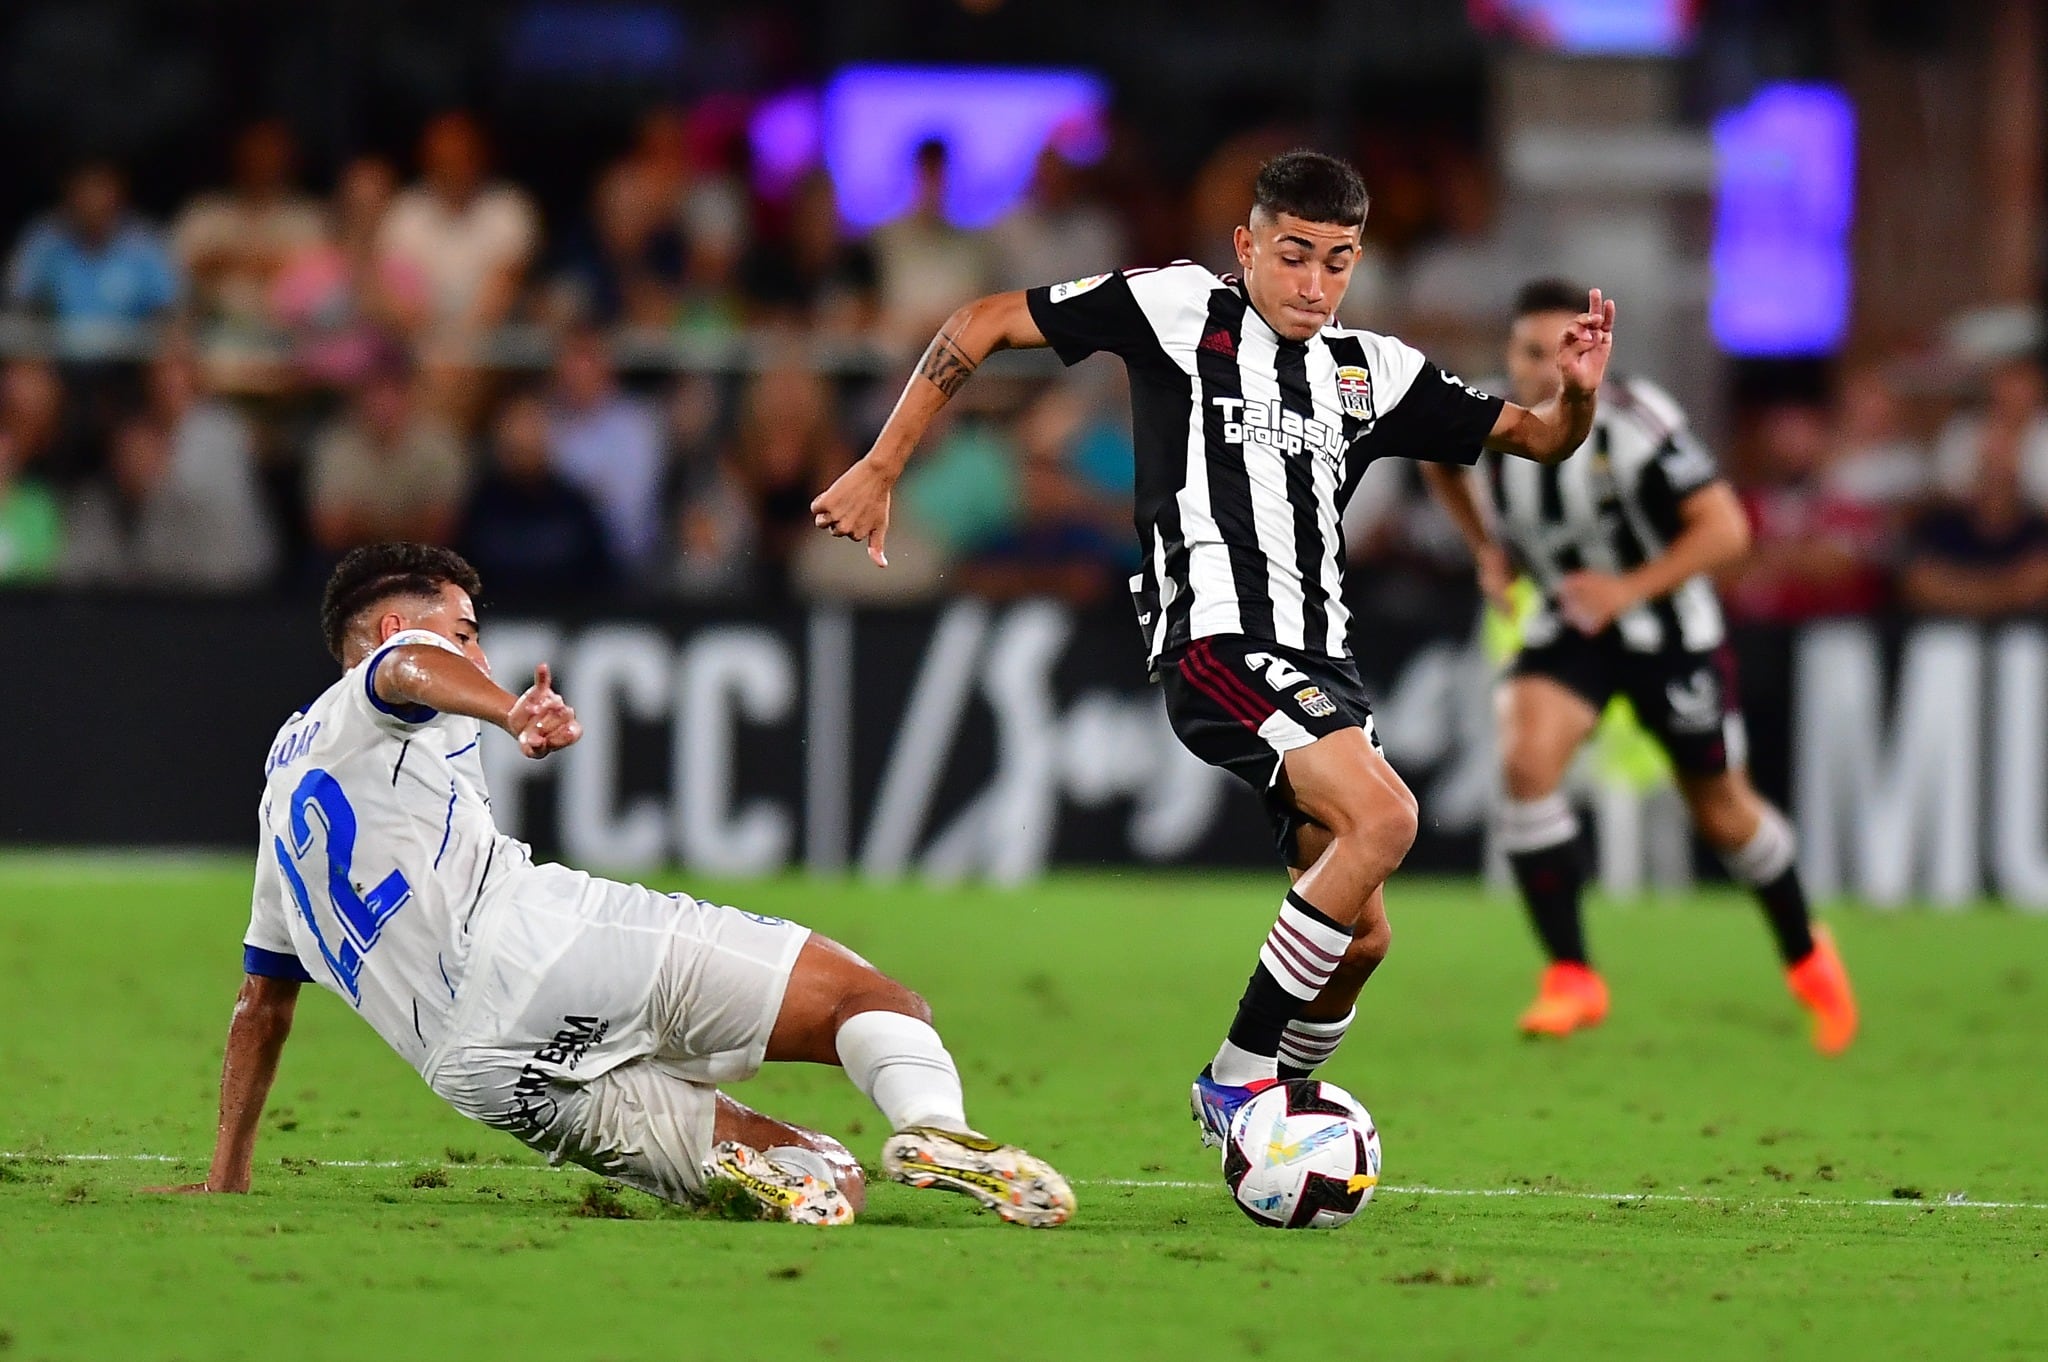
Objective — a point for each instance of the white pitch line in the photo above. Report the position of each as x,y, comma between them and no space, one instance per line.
1952,1201
1560,1194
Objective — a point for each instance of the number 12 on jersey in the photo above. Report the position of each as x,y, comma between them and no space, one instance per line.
318,799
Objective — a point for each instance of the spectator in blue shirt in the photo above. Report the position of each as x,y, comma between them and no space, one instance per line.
91,261
609,444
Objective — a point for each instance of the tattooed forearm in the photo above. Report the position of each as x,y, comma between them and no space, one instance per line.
946,364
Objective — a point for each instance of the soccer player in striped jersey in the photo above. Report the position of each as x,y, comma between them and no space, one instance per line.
1620,538
1253,417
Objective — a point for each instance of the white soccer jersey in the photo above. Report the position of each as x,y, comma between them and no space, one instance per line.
377,847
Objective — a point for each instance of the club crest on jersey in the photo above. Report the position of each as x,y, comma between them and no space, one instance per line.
1074,288
1354,392
1314,703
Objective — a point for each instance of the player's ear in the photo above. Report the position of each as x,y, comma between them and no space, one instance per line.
1242,240
389,623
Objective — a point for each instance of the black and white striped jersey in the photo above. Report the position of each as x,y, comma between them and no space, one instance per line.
1611,506
1250,445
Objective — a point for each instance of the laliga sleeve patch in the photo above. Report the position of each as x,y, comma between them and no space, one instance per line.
1074,288
1447,376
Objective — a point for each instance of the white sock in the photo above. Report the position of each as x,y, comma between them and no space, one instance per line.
1307,1045
1234,1067
902,1066
1769,852
1535,824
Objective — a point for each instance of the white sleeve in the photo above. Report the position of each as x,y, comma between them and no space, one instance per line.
267,947
404,720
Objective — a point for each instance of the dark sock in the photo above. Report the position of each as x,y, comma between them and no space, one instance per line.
1551,878
1784,904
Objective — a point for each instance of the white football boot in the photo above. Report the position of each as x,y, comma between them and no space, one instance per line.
1020,1187
787,1187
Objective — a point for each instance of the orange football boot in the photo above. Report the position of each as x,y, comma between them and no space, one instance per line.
1822,986
1571,996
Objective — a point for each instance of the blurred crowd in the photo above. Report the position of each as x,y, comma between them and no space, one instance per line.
1887,493
641,397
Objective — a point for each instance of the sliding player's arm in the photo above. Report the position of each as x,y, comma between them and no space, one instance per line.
1452,488
1549,431
1714,532
424,675
856,506
256,1035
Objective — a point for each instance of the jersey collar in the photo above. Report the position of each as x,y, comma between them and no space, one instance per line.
1252,317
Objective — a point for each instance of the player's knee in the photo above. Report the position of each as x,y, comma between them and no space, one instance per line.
1723,811
1395,821
1528,772
883,994
1370,947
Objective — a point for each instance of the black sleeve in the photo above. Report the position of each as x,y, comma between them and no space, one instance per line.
1083,316
1440,419
1680,467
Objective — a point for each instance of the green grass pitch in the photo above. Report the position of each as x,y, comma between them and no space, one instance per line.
1692,1181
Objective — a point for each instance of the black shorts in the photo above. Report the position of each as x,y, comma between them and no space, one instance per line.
1242,704
1687,700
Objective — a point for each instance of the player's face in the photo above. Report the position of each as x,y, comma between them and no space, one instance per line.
1532,356
453,616
1296,271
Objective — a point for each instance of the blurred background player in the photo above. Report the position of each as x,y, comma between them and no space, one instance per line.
590,1019
1620,538
1254,416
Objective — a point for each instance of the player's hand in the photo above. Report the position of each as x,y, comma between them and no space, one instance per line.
1587,342
1496,578
856,506
1590,601
542,720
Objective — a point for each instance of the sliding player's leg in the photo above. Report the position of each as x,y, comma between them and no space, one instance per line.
1543,723
648,1123
799,1163
839,1009
734,990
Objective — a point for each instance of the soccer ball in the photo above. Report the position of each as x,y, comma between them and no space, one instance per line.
1302,1155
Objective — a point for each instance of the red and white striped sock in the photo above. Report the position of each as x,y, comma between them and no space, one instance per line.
1296,961
1306,1046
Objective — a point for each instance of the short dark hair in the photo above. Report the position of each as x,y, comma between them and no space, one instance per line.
1549,295
377,572
1313,187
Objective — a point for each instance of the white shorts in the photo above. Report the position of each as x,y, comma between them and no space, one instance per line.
597,1018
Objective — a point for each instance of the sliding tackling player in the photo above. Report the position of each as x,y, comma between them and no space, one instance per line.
588,1018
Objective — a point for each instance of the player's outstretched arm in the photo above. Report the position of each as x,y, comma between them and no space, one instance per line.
256,1036
1714,532
1549,431
421,674
856,506
1452,488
